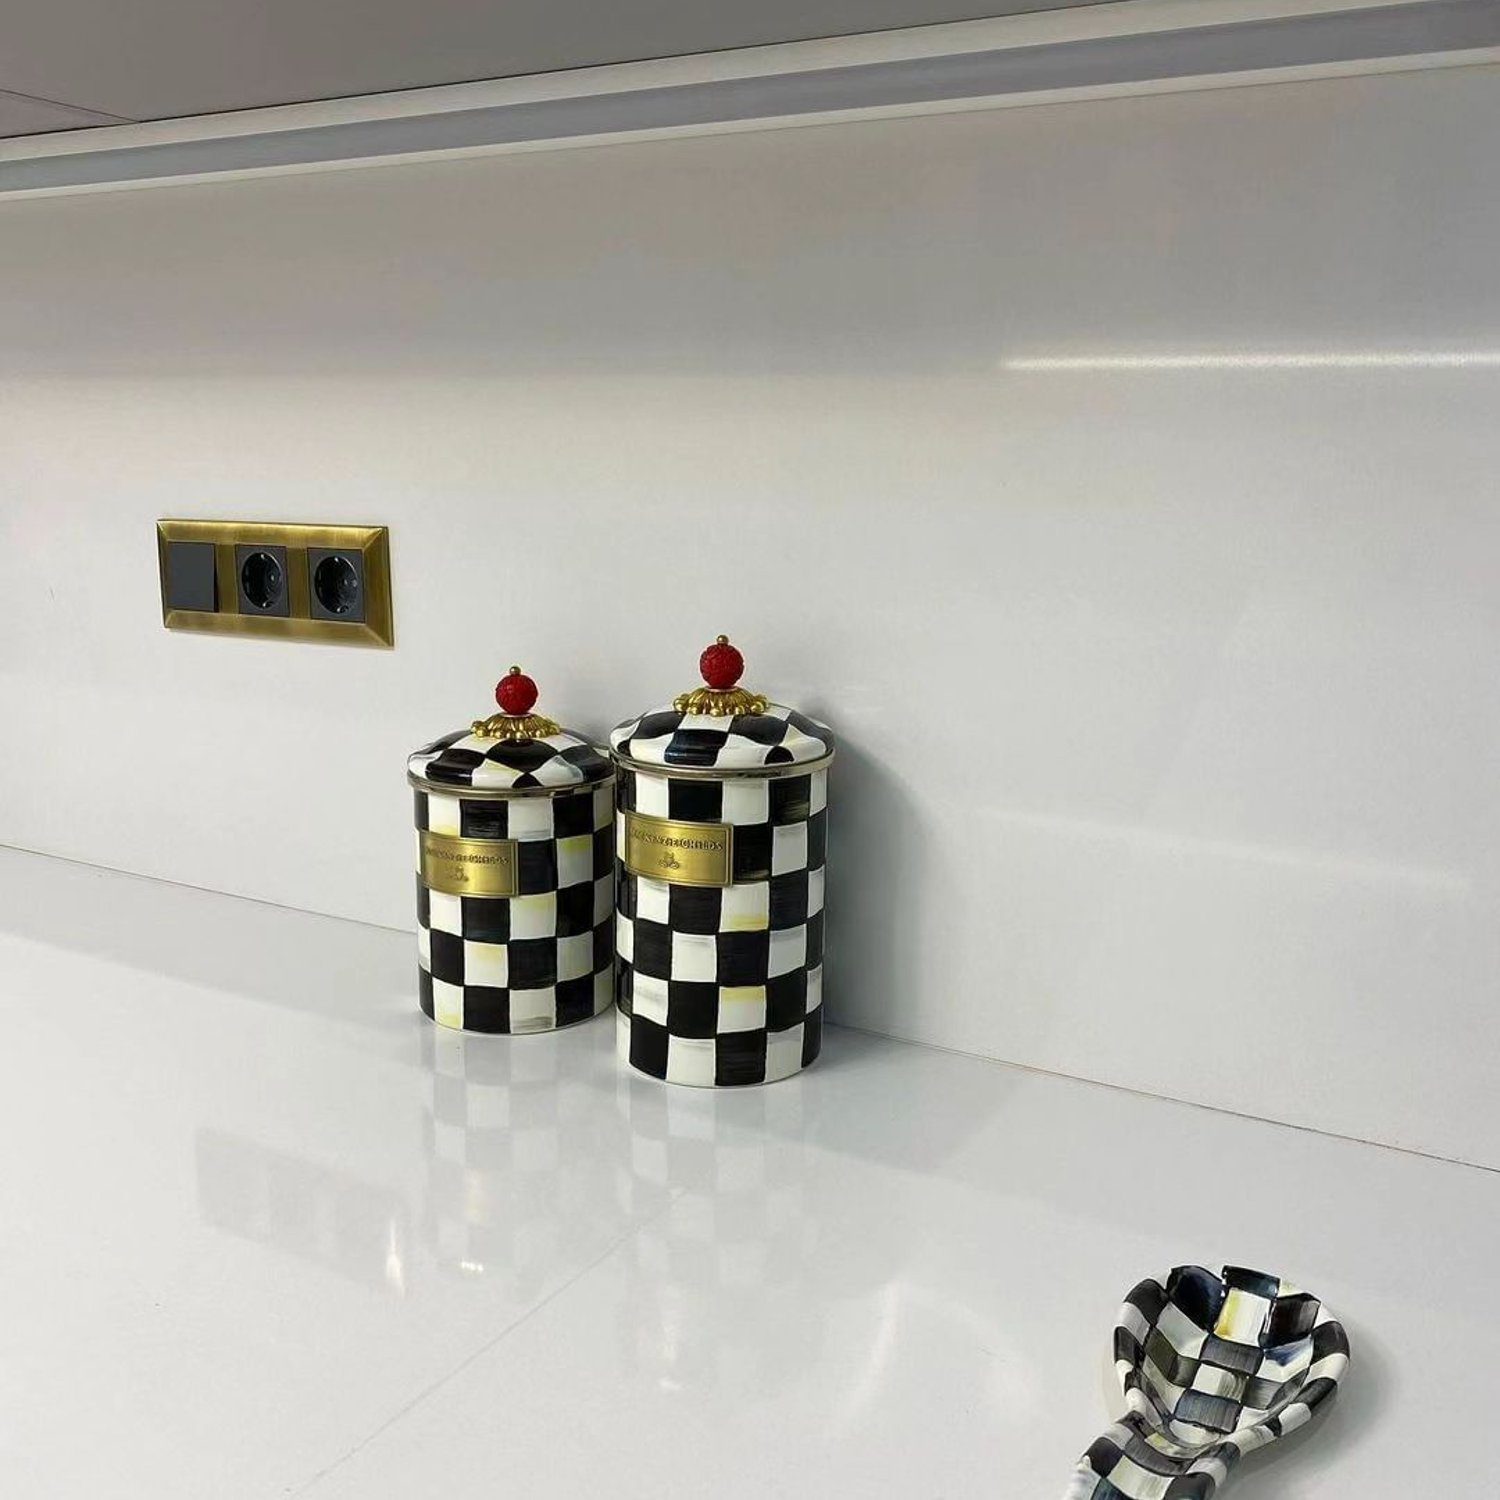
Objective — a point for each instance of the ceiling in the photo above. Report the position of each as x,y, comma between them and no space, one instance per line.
73,63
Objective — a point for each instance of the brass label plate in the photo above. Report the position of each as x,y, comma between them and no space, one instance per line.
469,867
677,852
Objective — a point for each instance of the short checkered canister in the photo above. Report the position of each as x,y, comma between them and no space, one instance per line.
720,837
515,871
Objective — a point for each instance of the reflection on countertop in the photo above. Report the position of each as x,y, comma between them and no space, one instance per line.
271,1231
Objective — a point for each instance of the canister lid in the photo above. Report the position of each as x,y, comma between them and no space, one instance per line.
722,728
514,750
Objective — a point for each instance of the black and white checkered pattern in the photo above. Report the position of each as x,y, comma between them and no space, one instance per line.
537,960
722,986
463,759
1213,1368
779,737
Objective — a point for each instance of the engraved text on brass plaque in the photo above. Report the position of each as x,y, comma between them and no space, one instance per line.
682,853
469,867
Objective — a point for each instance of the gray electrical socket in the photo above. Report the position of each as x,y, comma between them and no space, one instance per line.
335,584
262,579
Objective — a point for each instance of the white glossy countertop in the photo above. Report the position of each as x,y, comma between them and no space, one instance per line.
267,1232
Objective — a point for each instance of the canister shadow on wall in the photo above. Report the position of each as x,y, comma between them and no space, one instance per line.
877,895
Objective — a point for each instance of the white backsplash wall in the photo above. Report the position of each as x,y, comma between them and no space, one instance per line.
1167,693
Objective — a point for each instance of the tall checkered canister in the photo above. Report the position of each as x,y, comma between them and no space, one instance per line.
720,834
515,871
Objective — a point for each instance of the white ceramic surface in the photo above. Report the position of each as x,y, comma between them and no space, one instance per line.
268,1232
1205,796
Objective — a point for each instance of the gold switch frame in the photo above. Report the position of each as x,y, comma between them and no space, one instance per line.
371,542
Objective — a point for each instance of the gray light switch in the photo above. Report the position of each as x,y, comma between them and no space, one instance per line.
190,576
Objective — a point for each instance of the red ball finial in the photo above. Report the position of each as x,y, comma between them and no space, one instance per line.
721,665
515,692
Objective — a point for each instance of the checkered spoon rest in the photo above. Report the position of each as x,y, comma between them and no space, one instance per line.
1213,1367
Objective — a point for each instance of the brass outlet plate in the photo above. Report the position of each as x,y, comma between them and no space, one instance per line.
370,544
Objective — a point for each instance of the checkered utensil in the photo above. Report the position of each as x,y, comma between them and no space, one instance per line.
1213,1368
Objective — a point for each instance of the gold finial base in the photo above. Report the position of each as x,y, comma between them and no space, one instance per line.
719,703
514,727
